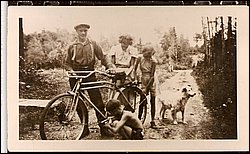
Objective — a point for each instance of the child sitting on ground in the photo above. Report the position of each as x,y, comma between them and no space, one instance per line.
126,123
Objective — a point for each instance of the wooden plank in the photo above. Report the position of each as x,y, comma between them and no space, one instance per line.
33,102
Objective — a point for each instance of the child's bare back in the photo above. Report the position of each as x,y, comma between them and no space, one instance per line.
127,124
132,120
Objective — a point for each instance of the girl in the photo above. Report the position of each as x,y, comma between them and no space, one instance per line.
147,65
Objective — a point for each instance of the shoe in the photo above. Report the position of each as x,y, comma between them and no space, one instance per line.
85,132
154,126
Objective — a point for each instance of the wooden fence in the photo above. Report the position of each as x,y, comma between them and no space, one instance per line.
220,43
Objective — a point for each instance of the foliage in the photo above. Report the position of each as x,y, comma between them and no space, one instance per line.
169,42
176,50
216,90
197,37
106,43
47,49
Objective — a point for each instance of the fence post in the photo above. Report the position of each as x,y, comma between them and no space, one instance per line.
222,43
229,37
205,41
21,43
209,43
218,47
213,46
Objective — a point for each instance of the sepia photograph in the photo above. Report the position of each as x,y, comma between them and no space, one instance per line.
128,78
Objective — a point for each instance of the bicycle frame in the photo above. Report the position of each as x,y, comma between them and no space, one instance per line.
78,90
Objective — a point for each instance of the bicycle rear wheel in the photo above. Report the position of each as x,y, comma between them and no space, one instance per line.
53,121
136,99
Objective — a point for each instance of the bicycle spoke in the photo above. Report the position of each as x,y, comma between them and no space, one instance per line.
55,124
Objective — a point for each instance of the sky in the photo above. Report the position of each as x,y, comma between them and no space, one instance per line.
110,21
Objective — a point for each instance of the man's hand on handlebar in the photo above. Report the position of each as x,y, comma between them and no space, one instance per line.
71,72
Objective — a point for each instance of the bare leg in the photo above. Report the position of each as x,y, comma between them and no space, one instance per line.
152,101
125,131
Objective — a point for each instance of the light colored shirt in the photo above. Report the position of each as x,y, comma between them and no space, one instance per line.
123,57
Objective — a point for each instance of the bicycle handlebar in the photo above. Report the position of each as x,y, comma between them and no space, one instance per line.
109,75
73,74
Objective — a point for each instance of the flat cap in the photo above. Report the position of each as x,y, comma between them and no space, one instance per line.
82,25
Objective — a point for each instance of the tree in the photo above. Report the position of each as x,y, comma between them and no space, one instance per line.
197,38
165,42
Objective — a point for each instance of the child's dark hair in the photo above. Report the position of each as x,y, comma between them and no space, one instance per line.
112,105
148,48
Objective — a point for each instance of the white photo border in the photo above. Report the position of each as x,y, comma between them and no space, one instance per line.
240,144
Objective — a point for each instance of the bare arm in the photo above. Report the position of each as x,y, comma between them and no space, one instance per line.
119,124
132,61
131,66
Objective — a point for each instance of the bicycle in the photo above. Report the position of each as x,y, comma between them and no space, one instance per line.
66,117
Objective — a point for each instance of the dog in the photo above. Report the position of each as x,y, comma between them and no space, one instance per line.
164,107
176,105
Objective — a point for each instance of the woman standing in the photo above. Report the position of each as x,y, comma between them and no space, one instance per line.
124,55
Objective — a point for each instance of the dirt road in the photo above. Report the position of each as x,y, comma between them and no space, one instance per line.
196,115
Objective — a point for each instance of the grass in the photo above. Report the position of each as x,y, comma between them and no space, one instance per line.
47,85
29,121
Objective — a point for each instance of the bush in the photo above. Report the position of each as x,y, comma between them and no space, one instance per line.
27,71
220,98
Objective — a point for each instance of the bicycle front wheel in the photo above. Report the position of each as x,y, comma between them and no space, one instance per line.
136,101
54,123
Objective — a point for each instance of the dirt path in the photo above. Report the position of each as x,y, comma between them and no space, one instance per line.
196,114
